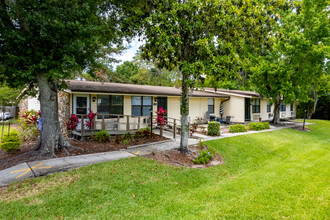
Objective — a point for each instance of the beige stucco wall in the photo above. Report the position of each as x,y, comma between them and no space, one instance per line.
288,113
263,112
197,108
234,107
173,106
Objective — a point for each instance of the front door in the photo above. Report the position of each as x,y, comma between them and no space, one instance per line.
162,102
247,109
81,106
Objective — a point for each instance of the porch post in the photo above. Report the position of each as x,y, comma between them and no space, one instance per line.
174,128
139,120
127,124
82,127
103,123
118,123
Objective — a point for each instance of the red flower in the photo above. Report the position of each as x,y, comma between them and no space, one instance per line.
161,116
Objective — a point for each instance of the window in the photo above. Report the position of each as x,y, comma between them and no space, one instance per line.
283,107
141,105
268,106
109,104
81,105
211,105
255,105
291,107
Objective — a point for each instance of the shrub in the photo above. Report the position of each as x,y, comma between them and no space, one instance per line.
29,133
237,128
146,131
117,139
138,134
72,122
204,156
213,128
101,136
127,136
10,142
257,126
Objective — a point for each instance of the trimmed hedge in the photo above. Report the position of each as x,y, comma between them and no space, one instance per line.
11,142
237,128
257,126
213,128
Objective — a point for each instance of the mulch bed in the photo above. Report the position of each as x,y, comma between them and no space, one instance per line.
301,129
88,147
176,158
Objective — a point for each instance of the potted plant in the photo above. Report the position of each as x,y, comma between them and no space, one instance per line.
259,118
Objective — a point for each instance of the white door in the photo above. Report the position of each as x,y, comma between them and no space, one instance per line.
81,106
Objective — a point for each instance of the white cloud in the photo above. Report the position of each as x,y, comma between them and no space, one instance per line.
129,53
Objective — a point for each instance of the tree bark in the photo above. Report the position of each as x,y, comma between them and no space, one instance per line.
184,116
277,106
51,137
312,106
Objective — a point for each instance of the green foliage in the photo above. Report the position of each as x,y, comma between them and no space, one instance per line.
238,128
257,126
322,110
144,133
101,136
126,141
40,37
213,128
28,133
205,38
127,137
8,96
28,123
117,139
294,66
11,142
204,156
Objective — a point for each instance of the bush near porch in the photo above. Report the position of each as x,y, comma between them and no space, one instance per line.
213,128
257,126
238,128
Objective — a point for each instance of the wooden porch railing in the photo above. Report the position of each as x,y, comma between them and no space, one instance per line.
115,119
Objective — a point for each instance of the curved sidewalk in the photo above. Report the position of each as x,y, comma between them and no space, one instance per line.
44,167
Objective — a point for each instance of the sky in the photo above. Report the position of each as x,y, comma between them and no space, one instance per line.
128,54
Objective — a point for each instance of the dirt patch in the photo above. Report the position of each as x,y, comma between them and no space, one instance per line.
301,129
176,158
25,189
88,147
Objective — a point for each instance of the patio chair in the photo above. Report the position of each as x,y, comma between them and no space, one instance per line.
228,120
207,116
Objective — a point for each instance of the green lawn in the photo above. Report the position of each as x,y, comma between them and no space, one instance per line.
280,174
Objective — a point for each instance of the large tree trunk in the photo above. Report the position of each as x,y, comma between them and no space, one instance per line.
184,116
51,137
277,106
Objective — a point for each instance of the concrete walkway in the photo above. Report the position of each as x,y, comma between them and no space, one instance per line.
44,167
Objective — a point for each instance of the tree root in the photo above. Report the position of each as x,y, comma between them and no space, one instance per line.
62,144
173,161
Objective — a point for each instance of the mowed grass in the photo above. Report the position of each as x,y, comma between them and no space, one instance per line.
272,175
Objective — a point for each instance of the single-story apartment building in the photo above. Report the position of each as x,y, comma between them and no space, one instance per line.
81,97
244,106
